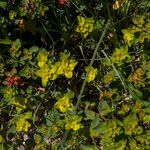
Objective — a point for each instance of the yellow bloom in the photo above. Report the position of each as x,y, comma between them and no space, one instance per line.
73,123
109,77
72,64
55,128
64,104
121,55
60,67
135,29
12,15
42,58
66,66
53,72
128,37
144,36
63,64
21,122
44,74
9,92
70,67
139,21
19,103
22,125
68,73
91,73
85,25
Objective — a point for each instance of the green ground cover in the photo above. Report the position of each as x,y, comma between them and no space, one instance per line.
74,75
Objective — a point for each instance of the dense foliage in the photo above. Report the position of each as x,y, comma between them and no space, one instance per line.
75,74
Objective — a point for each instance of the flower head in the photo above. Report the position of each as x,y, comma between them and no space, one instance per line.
85,25
121,55
22,125
21,122
63,103
128,36
19,103
44,74
42,58
91,73
139,21
73,123
66,65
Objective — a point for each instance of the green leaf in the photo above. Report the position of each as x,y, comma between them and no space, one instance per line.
28,115
5,41
130,123
89,147
90,114
70,94
120,145
17,43
42,129
95,127
12,130
29,90
2,147
52,117
136,94
132,144
103,108
99,24
34,49
119,122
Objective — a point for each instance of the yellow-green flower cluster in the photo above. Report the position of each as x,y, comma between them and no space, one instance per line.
19,103
63,103
141,27
50,71
73,123
91,73
9,92
40,144
66,65
85,26
15,46
28,54
109,77
128,36
137,77
121,55
42,58
12,15
21,122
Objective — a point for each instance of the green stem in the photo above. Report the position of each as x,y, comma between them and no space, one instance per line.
47,33
78,8
115,71
91,63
